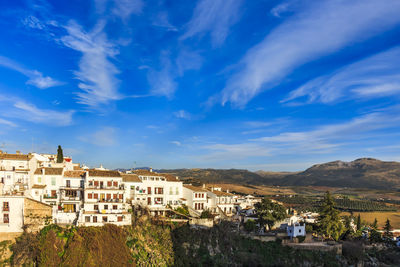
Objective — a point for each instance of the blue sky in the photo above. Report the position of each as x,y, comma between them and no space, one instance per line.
263,84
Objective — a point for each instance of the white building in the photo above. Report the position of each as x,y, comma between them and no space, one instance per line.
296,229
159,192
49,180
11,213
220,201
71,197
14,173
196,198
104,199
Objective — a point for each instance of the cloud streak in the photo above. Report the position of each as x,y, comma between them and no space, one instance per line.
375,76
36,78
214,17
97,74
318,30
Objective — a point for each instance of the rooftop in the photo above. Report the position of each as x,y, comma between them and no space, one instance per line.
49,171
101,173
130,178
74,174
195,188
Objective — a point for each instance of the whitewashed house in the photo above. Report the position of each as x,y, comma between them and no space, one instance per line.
11,214
296,229
159,192
104,199
220,201
71,197
47,182
196,198
14,173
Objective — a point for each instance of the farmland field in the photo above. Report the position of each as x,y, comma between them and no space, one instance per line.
369,217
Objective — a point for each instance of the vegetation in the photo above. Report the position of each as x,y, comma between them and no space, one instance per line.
183,209
250,226
60,156
206,214
387,234
269,212
329,221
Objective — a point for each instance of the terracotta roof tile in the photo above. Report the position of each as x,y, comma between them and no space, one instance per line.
101,173
222,193
49,171
130,178
194,188
76,174
14,156
38,186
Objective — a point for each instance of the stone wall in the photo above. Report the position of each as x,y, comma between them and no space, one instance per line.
36,215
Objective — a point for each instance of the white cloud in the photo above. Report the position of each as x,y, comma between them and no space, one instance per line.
214,17
162,82
29,112
106,136
375,76
257,124
188,60
96,71
8,123
176,143
182,114
125,8
33,22
320,29
161,20
36,78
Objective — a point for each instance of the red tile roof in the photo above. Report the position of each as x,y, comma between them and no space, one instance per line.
130,178
76,174
101,173
49,171
194,188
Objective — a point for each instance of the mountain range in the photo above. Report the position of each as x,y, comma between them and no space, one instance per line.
360,173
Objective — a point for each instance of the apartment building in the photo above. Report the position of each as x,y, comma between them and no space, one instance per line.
47,182
221,201
196,198
104,200
14,173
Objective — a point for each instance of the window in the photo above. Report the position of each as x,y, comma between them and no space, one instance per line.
96,207
108,196
71,193
6,218
106,207
95,219
87,218
109,183
170,191
115,207
69,208
90,196
104,218
53,193
90,183
96,196
39,180
177,191
96,183
149,190
53,180
121,196
68,183
115,196
6,206
115,184
119,218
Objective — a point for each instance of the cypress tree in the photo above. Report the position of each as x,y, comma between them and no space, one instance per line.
329,221
60,156
387,230
358,224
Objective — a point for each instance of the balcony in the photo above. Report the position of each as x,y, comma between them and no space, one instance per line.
70,198
110,200
71,188
105,187
50,197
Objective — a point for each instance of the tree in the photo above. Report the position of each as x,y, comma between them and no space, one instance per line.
60,156
250,225
329,221
358,223
206,214
387,234
269,212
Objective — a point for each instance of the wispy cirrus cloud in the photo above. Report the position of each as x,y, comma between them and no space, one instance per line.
36,78
214,17
97,74
182,114
375,76
16,108
322,139
317,30
120,8
7,122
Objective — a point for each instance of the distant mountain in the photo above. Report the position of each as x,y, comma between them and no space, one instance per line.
235,176
360,173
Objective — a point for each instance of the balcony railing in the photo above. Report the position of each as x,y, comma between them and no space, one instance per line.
50,197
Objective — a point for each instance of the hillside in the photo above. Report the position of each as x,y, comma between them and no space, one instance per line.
360,173
235,176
